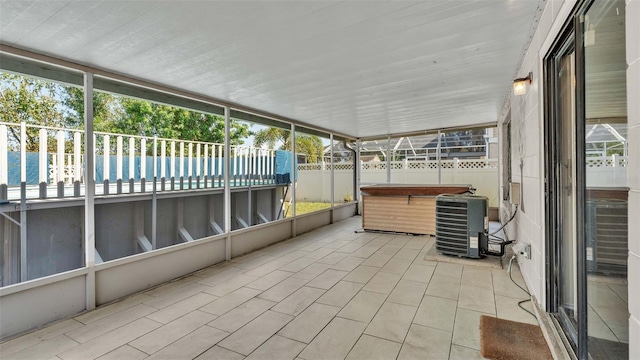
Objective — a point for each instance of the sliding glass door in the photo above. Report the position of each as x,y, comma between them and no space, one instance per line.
566,170
586,155
562,172
606,156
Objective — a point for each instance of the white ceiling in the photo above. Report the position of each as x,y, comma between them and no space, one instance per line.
361,68
605,62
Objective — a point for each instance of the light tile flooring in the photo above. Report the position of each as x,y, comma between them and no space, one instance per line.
608,308
328,294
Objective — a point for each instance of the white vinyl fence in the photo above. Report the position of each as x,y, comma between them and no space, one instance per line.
606,171
313,179
481,174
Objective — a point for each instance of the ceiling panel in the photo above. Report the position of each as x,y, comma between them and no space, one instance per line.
359,68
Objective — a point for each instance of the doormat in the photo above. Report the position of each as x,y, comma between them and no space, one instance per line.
506,340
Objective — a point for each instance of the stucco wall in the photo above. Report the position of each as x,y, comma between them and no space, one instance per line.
527,156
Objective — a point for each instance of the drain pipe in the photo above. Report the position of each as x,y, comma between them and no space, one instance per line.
356,164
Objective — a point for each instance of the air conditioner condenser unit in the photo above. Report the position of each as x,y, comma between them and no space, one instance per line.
462,223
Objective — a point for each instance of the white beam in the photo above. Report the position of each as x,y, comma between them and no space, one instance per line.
332,173
294,166
388,158
4,169
227,189
184,235
89,199
144,243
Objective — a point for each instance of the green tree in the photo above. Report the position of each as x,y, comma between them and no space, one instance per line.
123,115
32,101
106,109
309,145
40,102
272,136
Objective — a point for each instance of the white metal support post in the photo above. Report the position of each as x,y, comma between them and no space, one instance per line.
154,195
89,191
143,164
173,165
190,164
119,164
388,159
163,163
205,171
77,163
23,202
132,160
43,163
227,189
4,168
181,165
106,172
249,201
294,161
332,180
197,176
60,155
357,170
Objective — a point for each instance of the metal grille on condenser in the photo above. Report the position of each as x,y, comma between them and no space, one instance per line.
451,227
607,237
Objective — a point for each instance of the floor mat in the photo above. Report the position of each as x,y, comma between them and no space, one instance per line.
505,340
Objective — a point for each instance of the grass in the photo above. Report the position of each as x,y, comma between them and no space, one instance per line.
307,207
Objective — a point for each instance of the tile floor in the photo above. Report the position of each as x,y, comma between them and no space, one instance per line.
328,294
608,309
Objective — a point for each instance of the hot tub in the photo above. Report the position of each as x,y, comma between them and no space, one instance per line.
404,208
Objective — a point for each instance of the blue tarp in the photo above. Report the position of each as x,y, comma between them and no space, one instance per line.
149,167
282,168
33,166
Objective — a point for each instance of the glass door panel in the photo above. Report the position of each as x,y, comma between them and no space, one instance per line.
606,194
566,189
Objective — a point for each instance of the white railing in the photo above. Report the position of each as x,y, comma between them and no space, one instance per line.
123,163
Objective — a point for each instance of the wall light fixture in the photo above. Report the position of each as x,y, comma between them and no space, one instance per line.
520,84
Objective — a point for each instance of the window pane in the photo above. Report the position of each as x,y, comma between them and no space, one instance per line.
606,158
258,174
373,162
40,149
143,147
343,164
313,188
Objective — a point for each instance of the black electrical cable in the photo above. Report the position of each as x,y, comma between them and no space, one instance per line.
523,289
493,238
508,221
500,241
